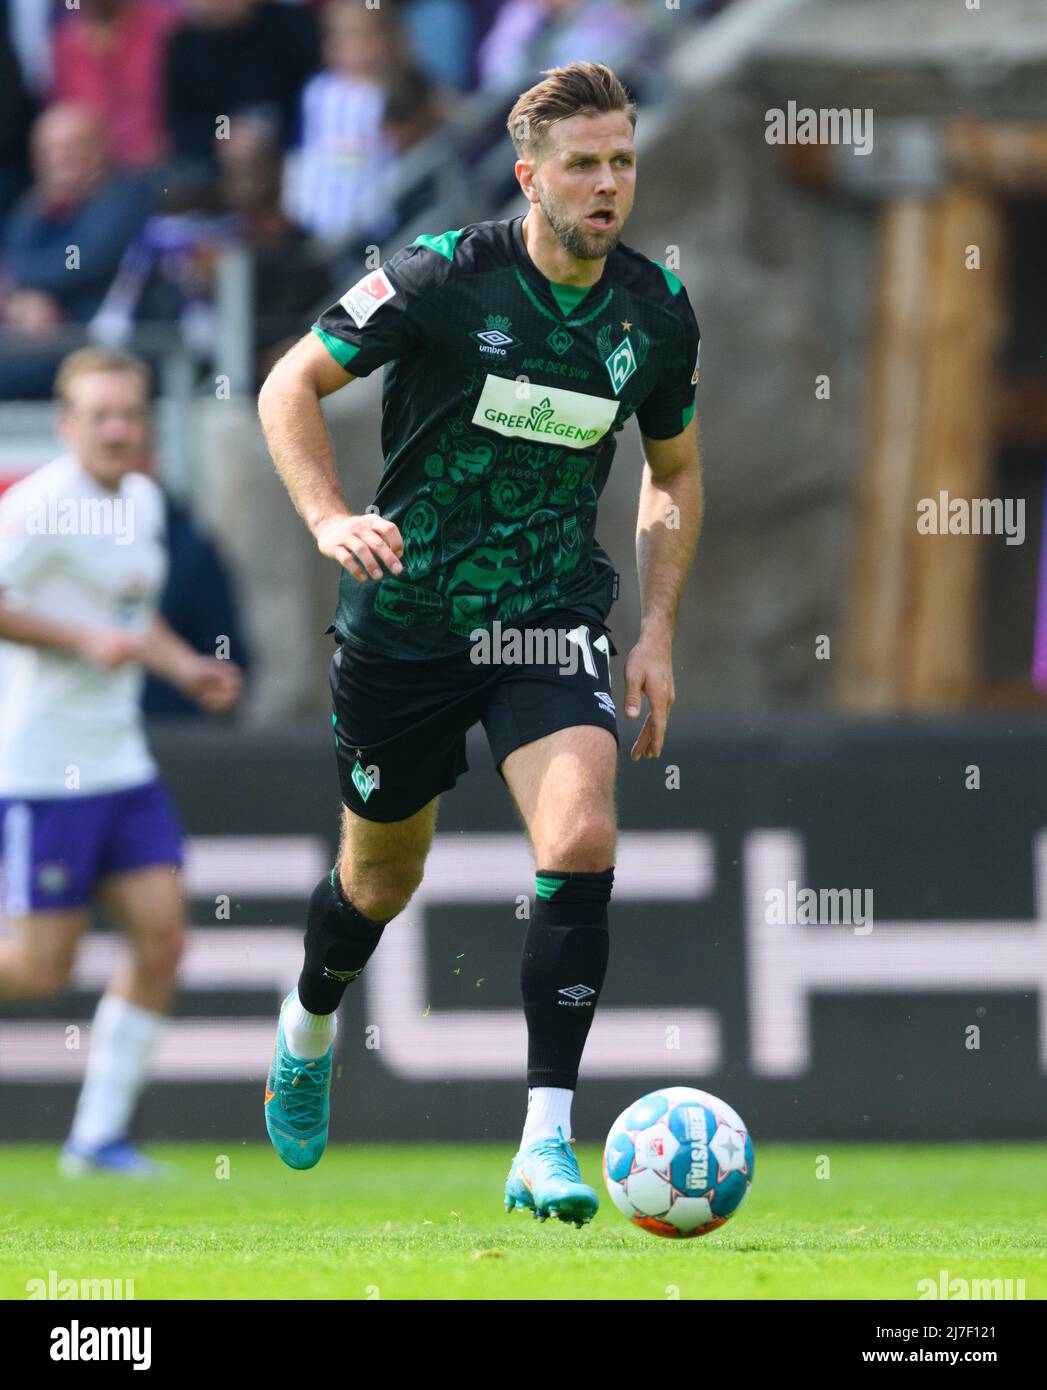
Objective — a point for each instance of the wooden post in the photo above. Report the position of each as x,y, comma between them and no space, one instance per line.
943,628
914,613
886,498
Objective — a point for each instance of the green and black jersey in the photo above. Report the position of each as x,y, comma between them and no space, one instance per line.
502,397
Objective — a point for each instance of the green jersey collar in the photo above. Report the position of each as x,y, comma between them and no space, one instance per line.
565,299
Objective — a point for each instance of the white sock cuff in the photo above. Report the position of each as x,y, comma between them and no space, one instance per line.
548,1109
116,1013
308,1020
308,1035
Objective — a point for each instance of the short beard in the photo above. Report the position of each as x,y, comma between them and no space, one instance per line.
585,246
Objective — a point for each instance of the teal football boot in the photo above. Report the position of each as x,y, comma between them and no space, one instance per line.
545,1180
297,1101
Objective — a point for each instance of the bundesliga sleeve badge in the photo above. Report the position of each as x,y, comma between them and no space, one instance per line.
367,295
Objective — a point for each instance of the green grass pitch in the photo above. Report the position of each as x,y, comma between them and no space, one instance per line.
426,1222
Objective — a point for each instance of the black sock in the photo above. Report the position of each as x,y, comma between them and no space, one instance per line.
562,972
339,941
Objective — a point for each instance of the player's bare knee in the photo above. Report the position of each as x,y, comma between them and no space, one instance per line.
43,977
382,898
159,952
587,846
381,889
380,886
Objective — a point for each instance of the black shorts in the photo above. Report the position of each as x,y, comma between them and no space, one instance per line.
400,726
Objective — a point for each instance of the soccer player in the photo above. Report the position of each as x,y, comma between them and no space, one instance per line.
82,809
514,352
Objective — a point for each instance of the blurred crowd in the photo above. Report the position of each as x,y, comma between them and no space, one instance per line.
137,137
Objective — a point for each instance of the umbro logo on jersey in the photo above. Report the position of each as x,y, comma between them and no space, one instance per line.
495,340
604,700
367,295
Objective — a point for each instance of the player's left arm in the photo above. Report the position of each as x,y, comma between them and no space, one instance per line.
668,524
214,684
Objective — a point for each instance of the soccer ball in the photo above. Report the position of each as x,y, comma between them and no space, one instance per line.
678,1162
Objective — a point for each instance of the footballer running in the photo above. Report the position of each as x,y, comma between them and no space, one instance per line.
514,352
84,814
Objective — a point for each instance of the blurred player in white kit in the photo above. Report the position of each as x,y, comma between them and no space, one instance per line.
83,811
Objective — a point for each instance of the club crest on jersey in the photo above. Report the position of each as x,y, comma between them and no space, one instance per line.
366,296
560,340
495,339
621,364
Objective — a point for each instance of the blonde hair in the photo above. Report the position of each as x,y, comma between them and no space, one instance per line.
582,89
98,359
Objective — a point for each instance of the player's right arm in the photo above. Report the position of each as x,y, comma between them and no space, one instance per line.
25,555
107,648
289,407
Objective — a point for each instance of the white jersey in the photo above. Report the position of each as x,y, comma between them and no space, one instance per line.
76,553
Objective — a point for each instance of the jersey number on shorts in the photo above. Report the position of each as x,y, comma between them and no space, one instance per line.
581,636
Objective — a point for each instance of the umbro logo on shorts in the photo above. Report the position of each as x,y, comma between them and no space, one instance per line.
578,996
603,699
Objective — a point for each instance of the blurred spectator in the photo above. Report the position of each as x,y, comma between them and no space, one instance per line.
503,53
600,32
30,24
334,180
17,110
530,35
75,202
199,602
484,13
290,280
110,56
441,35
169,270
230,57
167,273
414,108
